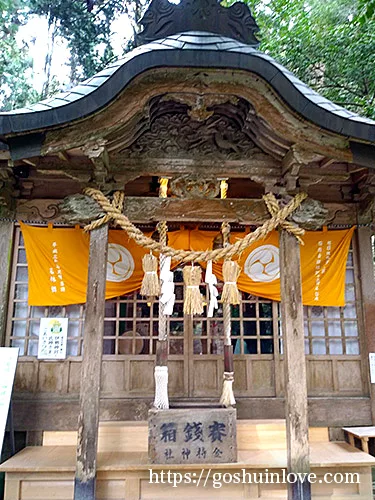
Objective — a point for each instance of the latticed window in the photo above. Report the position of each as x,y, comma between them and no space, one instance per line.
131,322
253,325
334,330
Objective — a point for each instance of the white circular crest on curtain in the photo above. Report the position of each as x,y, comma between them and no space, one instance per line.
120,263
263,264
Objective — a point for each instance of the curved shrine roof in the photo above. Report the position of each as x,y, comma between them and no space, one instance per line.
193,49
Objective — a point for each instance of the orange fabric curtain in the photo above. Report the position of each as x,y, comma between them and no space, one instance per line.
58,264
323,266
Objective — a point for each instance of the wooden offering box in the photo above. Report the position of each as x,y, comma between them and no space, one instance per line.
183,436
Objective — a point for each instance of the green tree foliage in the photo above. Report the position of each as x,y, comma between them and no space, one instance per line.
87,34
366,10
325,45
14,61
88,31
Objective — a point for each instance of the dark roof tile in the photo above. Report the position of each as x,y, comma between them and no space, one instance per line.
157,46
39,106
96,80
83,89
174,44
201,34
228,44
245,49
72,96
197,40
99,90
194,46
107,72
56,102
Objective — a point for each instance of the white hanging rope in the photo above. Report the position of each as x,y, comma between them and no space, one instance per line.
211,281
167,297
161,387
227,396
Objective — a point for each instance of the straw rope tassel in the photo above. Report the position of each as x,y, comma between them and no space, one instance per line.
150,283
231,295
227,396
161,400
193,303
231,272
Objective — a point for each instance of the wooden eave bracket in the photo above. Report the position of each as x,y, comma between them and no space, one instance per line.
291,164
98,154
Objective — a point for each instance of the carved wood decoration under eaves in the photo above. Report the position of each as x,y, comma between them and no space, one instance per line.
189,128
164,18
39,210
193,186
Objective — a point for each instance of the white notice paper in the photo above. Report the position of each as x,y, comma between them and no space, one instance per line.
372,366
53,335
8,364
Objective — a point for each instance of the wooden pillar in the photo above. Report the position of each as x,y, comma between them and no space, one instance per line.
88,422
294,365
6,245
366,273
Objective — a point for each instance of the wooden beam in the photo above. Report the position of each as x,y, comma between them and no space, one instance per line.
257,167
294,365
6,245
142,210
56,163
326,162
82,209
367,283
33,412
326,176
88,420
29,162
63,155
243,211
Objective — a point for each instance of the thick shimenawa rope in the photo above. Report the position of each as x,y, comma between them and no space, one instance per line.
278,218
117,204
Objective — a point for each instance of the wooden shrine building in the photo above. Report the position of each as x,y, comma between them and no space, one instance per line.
197,105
